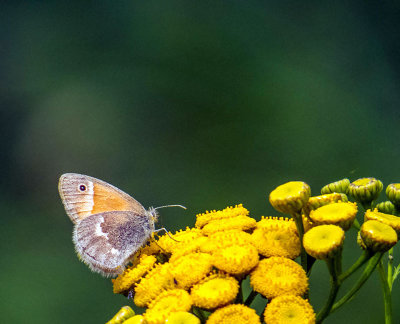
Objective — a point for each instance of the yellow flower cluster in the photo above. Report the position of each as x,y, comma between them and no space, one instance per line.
203,267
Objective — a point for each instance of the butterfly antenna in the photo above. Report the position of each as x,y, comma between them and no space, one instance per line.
171,206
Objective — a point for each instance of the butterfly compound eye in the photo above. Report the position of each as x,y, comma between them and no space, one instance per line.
82,187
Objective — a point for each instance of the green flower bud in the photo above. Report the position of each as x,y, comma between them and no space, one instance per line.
365,190
386,207
341,186
393,193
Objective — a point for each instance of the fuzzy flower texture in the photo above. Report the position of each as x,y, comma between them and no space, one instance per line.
212,272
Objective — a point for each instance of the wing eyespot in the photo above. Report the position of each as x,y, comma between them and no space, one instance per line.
82,187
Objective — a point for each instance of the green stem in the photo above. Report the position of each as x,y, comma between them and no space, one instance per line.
199,313
360,261
387,296
300,229
390,269
335,285
250,298
356,224
365,275
239,297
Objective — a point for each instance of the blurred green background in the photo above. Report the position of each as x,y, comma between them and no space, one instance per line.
206,104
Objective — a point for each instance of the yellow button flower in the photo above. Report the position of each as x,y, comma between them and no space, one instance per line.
378,236
156,281
190,269
182,318
289,309
278,276
229,212
133,274
391,220
276,242
219,240
236,259
341,186
243,223
319,201
290,197
215,291
123,314
272,222
171,243
341,214
234,314
365,190
324,241
165,304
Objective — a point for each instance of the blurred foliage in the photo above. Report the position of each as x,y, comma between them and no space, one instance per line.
206,104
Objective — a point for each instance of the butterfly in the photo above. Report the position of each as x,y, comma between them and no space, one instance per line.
109,225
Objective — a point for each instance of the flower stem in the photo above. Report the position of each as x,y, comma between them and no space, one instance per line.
387,296
300,229
356,265
365,275
250,298
390,269
356,224
333,266
199,313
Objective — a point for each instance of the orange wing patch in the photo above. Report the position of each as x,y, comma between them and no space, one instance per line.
106,199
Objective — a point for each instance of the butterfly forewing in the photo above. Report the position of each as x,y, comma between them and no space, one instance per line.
83,196
106,241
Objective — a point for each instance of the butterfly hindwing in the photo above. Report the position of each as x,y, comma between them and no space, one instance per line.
107,240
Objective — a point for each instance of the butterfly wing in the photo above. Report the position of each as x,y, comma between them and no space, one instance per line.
106,241
83,196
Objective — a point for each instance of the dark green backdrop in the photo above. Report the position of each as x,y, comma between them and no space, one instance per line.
202,103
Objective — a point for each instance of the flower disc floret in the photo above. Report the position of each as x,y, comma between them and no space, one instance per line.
240,222
341,214
273,222
237,313
166,303
229,212
276,242
341,186
289,309
236,259
190,269
219,240
156,281
290,197
377,236
279,276
391,220
133,274
324,241
215,291
365,190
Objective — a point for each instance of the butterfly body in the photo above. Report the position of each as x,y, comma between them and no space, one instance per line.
109,225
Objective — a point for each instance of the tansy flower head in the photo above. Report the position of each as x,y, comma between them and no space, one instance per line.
229,212
123,314
319,201
215,291
190,269
196,245
243,223
290,197
324,241
365,190
386,207
272,222
237,313
341,186
166,303
393,193
277,242
223,239
377,236
156,281
289,309
133,274
278,276
391,220
236,259
341,214
170,243
182,318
